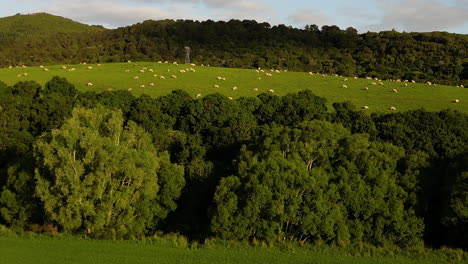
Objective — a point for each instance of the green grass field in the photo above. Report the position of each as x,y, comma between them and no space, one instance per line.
20,250
379,98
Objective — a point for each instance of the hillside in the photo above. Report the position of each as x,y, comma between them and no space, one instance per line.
41,23
245,83
439,57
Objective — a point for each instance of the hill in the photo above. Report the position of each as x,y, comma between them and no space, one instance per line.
41,23
120,76
438,57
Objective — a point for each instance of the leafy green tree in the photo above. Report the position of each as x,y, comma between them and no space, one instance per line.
96,175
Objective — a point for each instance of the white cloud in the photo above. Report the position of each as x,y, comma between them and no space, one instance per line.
423,15
309,16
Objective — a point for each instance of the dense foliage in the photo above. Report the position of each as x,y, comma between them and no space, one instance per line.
265,168
439,57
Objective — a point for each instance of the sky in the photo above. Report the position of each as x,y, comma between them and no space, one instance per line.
364,15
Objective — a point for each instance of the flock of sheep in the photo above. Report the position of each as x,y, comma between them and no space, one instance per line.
259,71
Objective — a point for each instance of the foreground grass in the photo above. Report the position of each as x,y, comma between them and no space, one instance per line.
42,249
114,76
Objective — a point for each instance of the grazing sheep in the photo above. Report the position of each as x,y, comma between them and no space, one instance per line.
257,71
310,73
109,89
429,83
136,78
373,83
355,77
365,107
344,86
461,85
129,61
41,66
234,88
89,84
129,89
413,81
64,67
255,89
392,108
271,91
127,70
151,70
19,75
198,95
90,68
230,98
381,83
155,75
99,65
142,71
346,79
216,86
45,69
456,101
142,86
219,78
366,88
151,84
406,85
162,77
173,77
159,62
182,71
259,78
192,70
395,90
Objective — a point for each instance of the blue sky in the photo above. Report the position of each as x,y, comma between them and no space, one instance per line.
364,15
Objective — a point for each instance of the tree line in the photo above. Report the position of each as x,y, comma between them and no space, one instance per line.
263,168
439,57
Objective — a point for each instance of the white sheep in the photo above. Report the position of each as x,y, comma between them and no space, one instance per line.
151,84
162,77
456,101
198,95
365,107
89,84
366,88
392,108
142,86
173,77
271,91
136,78
129,89
255,89
216,86
344,86
395,90
90,68
127,70
234,88
230,98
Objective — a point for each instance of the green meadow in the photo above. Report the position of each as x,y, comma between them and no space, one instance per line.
20,250
120,76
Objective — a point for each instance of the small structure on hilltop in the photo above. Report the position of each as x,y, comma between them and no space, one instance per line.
187,55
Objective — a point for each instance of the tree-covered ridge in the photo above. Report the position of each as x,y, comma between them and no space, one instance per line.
438,57
261,168
41,23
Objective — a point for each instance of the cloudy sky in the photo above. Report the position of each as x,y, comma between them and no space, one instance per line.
364,15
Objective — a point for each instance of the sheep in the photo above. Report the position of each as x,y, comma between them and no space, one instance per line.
344,86
109,89
310,73
259,78
198,95
230,98
89,84
40,66
144,68
216,86
392,108
151,84
193,64
64,67
271,91
219,78
136,78
461,85
175,63
45,69
381,83
429,83
355,77
19,75
127,70
234,88
406,85
346,79
162,77
182,71
142,86
192,70
366,88
142,71
155,75
173,77
159,62
413,81
456,101
151,70
395,90
25,74
90,68
129,61
99,65
129,89
368,78
255,89
374,83
365,107
257,71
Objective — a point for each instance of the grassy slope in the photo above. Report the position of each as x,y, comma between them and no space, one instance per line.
22,250
41,23
378,98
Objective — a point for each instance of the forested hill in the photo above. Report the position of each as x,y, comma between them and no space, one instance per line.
41,23
439,57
